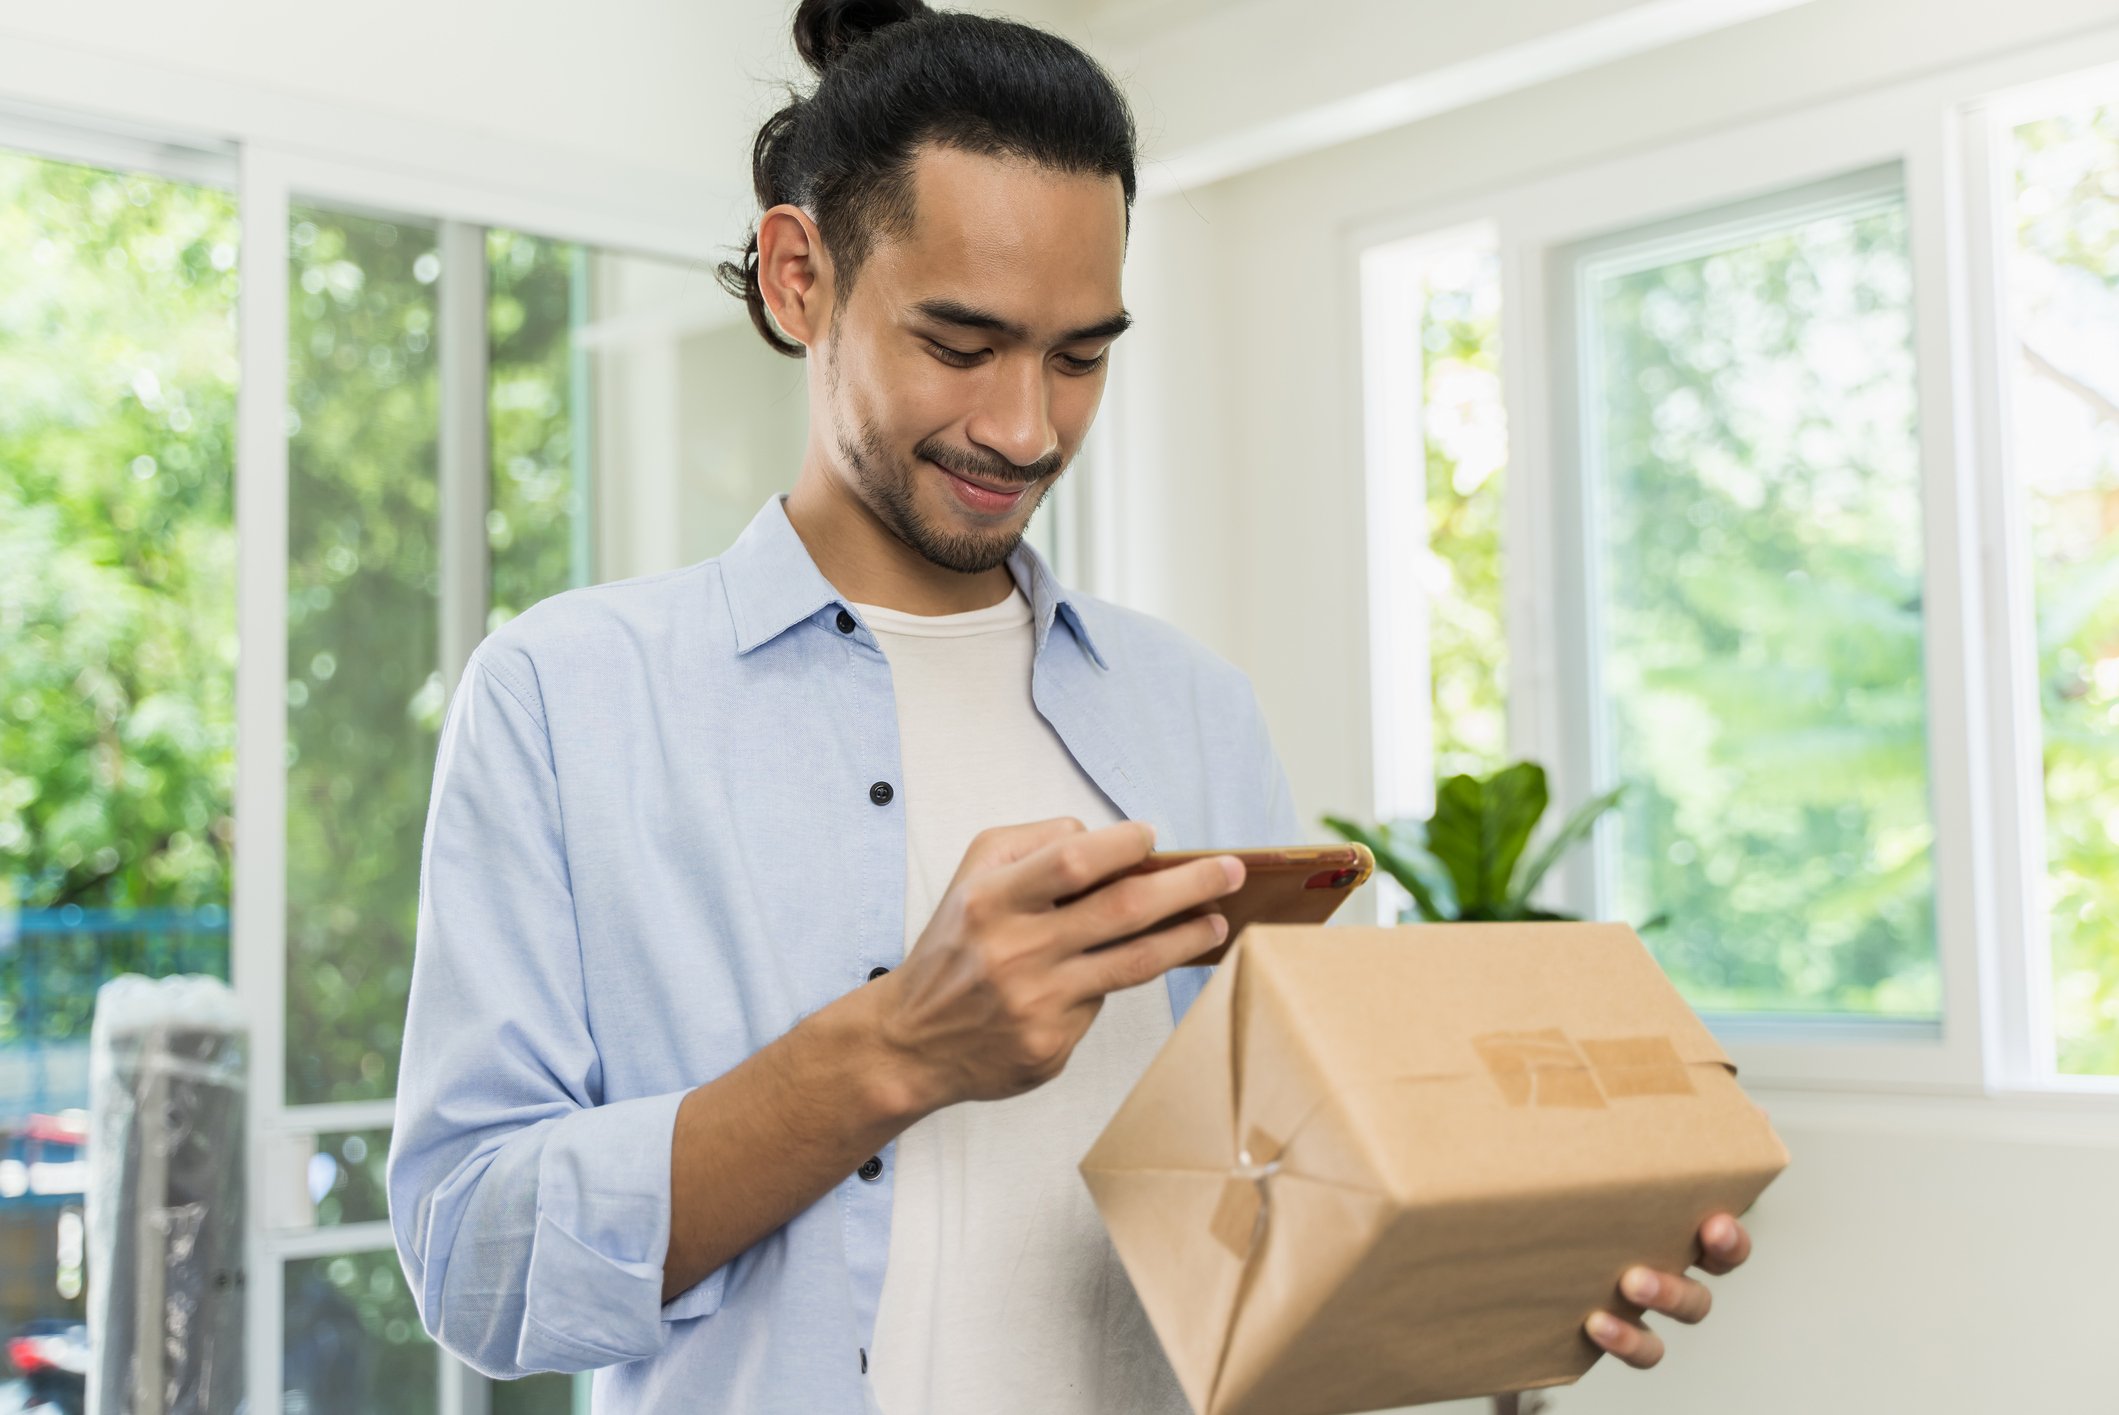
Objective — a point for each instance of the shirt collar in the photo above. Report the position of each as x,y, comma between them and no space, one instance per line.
772,584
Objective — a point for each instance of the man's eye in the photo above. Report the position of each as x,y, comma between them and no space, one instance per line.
955,358
1079,365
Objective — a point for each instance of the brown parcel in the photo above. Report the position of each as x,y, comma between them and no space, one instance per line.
1457,1137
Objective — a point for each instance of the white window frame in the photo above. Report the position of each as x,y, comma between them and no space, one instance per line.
2021,1049
1993,1040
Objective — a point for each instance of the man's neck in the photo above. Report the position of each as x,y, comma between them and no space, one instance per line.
868,564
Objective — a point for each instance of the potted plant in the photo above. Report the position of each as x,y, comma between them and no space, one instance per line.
1466,862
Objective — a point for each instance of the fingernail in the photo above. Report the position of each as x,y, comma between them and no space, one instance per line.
1604,1326
1221,926
1639,1285
1233,868
1724,1235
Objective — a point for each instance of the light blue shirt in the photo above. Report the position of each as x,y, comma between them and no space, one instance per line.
657,840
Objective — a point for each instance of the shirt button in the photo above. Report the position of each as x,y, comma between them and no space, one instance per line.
880,793
845,622
871,1168
877,972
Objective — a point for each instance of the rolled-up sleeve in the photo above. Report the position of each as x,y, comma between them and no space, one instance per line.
532,1216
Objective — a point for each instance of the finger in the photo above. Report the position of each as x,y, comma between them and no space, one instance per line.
1636,1345
1146,958
1724,1244
1074,863
1668,1293
1004,845
1119,911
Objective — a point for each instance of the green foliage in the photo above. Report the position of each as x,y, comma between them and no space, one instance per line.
1465,862
117,546
2065,279
364,690
1759,552
1465,449
530,420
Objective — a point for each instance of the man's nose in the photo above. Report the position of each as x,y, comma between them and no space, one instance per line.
1016,419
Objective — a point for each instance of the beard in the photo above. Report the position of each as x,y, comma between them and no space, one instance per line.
887,482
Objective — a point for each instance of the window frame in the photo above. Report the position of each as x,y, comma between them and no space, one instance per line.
2023,1051
1947,131
1591,874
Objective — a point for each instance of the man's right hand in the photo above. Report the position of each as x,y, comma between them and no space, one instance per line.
1002,985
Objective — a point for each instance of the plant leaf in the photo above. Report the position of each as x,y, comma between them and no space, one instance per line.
1406,859
1479,830
1575,828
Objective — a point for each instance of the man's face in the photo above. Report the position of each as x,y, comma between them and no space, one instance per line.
974,349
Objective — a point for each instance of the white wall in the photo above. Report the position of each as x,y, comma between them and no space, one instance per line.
1913,1258
1933,1256
631,115
619,81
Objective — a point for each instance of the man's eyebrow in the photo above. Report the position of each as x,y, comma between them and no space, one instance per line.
955,312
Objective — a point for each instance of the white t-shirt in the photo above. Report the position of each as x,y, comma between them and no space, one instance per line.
1003,1291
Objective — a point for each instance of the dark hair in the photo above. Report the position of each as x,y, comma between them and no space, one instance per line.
893,75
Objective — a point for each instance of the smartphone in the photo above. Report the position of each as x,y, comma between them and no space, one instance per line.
1297,884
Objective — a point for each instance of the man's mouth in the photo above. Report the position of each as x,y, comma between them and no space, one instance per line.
984,496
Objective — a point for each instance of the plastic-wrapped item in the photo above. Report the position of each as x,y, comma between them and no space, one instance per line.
167,1085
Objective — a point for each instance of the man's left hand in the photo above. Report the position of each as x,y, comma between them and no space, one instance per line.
1723,1245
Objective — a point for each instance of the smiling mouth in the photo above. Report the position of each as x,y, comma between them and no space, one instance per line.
1008,489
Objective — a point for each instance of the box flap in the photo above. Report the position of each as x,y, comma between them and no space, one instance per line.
1158,1172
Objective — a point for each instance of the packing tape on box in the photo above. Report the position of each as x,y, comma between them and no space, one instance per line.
1240,1218
1546,1068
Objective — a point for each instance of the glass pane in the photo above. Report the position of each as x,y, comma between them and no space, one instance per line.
703,419
601,359
1466,445
2064,297
1750,416
541,1395
345,1177
364,695
537,528
354,1344
117,654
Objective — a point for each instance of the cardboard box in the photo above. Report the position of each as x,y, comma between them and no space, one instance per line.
1380,1166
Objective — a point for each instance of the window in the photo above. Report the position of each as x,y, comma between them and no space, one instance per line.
117,648
538,523
2062,275
1750,470
364,392
1437,450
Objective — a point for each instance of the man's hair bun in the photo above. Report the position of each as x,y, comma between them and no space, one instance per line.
894,76
825,29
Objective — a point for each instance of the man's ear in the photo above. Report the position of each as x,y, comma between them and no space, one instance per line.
794,274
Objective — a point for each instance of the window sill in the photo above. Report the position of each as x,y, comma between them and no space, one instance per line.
2081,1112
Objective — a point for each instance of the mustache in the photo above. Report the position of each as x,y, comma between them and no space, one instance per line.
986,467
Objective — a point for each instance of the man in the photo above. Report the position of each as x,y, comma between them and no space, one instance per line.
749,1058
